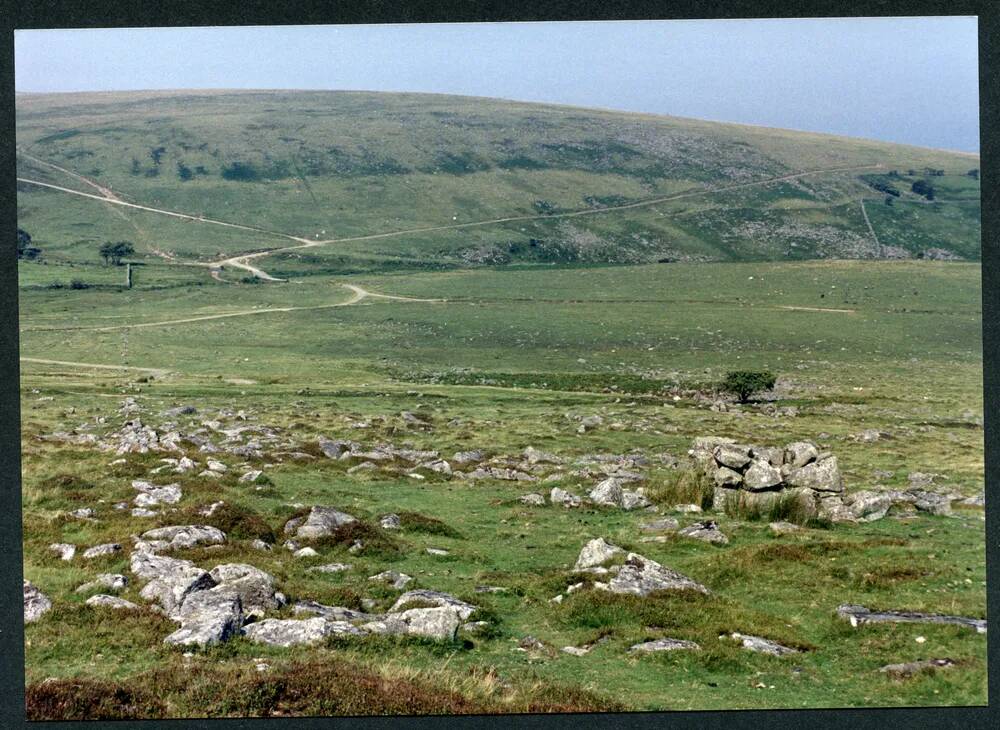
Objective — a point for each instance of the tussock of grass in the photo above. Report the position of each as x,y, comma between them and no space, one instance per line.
237,521
787,507
422,523
375,541
686,486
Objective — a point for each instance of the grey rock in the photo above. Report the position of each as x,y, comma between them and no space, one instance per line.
329,568
106,581
293,632
667,524
434,623
105,601
596,552
306,552
633,500
821,476
608,493
333,449
64,550
533,499
35,603
783,528
207,617
664,645
800,453
152,495
534,456
707,531
933,503
180,537
171,580
259,544
566,499
761,475
763,646
83,513
909,669
641,576
468,457
333,613
726,477
734,456
254,587
390,522
859,615
773,456
437,598
321,522
109,548
395,579
867,505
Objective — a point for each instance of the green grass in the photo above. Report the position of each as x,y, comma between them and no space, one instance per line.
511,358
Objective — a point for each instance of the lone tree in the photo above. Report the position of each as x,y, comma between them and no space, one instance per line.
115,252
745,383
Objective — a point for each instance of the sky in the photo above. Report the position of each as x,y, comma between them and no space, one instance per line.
909,80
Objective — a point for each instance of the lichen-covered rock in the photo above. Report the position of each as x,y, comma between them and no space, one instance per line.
35,603
64,550
292,632
180,537
395,579
390,522
320,522
434,623
800,453
533,499
867,505
595,553
665,645
761,475
763,646
608,493
666,524
734,456
103,600
634,500
333,613
254,587
641,576
207,617
821,476
726,477
98,551
437,598
707,531
106,581
561,496
171,580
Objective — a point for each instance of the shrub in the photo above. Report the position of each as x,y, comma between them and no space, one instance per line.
77,284
745,383
422,523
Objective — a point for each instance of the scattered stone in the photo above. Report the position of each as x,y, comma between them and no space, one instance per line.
867,505
64,550
530,643
858,615
329,568
106,601
109,548
434,623
180,537
259,544
533,499
687,508
151,495
588,423
576,650
665,645
641,576
251,476
333,449
763,646
596,553
436,598
320,522
211,509
143,512
667,524
437,551
107,581
633,500
393,578
489,589
306,552
534,456
333,613
390,522
293,632
171,580
908,669
871,435
560,496
468,457
707,531
608,493
35,603
218,466
783,528
84,513
254,587
978,500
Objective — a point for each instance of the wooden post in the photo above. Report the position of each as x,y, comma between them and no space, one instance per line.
128,275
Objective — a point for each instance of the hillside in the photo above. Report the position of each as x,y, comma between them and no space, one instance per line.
329,166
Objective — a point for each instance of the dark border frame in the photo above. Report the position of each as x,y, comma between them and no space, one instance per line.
26,14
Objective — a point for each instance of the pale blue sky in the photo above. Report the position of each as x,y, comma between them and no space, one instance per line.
911,80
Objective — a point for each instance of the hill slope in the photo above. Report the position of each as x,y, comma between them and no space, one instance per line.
335,165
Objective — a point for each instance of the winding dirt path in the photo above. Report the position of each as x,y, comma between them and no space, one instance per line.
869,224
106,192
159,372
357,295
242,261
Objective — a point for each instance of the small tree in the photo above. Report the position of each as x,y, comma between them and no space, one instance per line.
745,383
24,248
115,252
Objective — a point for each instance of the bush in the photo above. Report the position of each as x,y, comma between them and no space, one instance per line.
77,284
745,383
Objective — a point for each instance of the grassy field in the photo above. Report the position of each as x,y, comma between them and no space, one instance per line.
498,355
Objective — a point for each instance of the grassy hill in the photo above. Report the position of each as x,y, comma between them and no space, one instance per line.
334,165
